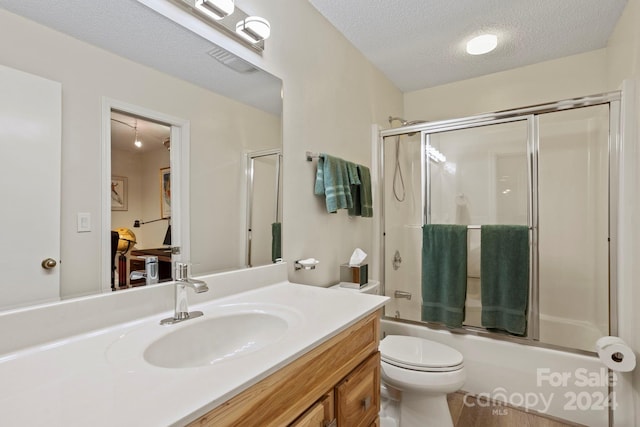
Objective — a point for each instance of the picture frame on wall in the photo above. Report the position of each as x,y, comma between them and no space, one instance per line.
165,192
119,193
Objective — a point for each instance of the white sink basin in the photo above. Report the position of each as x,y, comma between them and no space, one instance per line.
212,340
224,333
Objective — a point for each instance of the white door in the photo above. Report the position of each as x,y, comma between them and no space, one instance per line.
30,141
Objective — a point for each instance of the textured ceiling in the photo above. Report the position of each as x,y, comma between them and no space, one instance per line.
132,30
124,129
421,43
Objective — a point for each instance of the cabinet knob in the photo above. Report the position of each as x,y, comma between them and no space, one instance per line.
332,423
48,263
366,402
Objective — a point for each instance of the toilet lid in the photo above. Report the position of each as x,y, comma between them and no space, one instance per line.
419,354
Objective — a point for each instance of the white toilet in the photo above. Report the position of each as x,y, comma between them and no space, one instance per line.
419,374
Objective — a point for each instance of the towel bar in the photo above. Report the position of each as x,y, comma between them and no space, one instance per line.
311,156
470,227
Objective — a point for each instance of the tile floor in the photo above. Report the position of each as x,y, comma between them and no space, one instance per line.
495,416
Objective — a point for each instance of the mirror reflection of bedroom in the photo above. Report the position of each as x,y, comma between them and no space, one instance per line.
140,201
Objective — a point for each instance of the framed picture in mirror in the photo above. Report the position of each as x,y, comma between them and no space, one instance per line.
165,192
119,193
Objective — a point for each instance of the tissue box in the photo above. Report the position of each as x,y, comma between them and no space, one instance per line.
358,275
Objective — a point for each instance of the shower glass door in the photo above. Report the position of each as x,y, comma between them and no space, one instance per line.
573,183
481,178
264,186
552,168
474,176
403,216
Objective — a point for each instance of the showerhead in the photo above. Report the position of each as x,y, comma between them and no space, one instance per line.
404,122
401,120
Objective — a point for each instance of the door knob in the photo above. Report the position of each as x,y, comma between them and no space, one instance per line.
49,263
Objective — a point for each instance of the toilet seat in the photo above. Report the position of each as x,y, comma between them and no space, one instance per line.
419,354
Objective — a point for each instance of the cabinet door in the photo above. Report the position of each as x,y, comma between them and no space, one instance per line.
319,415
358,395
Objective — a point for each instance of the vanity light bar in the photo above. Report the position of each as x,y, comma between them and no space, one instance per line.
254,29
217,9
215,13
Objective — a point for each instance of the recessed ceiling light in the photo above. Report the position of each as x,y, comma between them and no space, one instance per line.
482,44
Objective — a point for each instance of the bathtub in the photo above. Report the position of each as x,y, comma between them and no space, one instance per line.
554,330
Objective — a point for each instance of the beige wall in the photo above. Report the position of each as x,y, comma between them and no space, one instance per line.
563,78
332,96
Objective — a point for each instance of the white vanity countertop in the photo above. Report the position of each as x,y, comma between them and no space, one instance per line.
101,379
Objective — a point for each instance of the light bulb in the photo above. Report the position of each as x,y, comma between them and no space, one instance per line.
482,44
216,9
254,29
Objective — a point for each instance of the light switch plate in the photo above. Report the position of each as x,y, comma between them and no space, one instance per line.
84,222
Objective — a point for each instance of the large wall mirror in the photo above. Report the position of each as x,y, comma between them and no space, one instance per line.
127,53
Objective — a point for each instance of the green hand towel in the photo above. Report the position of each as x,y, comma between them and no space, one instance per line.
361,194
366,200
444,273
504,277
352,171
355,186
332,180
276,241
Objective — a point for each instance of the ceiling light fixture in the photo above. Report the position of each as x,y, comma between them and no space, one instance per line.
217,9
254,29
482,44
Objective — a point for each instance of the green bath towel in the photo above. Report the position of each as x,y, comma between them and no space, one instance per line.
276,241
504,277
444,273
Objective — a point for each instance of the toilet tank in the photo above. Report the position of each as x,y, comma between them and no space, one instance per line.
372,287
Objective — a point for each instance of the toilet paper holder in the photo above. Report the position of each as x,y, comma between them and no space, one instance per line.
615,354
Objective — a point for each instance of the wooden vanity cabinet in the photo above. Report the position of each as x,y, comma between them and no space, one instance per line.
336,384
358,395
321,414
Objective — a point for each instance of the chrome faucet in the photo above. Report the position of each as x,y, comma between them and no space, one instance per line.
183,281
150,272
